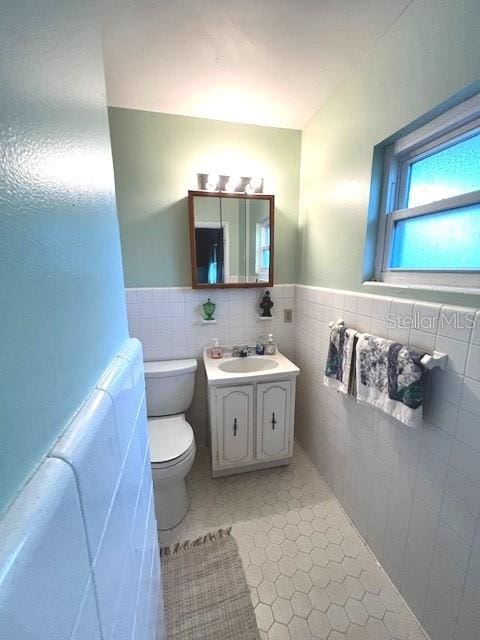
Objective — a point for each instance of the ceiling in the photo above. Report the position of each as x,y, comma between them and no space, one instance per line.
267,62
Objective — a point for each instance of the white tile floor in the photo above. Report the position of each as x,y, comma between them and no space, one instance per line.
311,575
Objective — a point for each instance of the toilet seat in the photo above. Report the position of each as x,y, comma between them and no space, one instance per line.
176,462
171,440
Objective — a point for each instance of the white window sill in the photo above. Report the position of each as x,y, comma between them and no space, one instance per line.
472,291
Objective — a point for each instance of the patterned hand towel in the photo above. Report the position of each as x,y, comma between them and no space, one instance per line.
391,377
339,359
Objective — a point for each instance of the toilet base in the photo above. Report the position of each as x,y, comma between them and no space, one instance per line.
171,503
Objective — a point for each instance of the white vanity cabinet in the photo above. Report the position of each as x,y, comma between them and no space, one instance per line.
251,425
235,428
274,424
251,407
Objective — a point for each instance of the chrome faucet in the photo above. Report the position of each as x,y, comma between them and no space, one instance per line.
242,352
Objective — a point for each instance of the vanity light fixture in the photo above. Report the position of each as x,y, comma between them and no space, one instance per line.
229,184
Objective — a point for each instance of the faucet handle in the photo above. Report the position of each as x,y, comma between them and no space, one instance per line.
235,352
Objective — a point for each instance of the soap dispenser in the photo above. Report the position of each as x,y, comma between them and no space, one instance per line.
216,351
270,347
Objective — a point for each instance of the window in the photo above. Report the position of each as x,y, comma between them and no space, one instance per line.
429,224
262,259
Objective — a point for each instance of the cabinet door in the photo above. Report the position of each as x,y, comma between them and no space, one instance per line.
235,425
273,420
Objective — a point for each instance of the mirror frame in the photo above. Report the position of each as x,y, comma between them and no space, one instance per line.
193,249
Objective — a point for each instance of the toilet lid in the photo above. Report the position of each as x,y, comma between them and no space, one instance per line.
170,438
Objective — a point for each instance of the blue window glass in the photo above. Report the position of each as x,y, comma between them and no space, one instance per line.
265,258
445,240
450,172
265,237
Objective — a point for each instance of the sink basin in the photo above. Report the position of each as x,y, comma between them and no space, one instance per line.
252,369
248,365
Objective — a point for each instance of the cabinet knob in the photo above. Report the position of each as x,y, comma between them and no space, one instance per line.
274,422
235,427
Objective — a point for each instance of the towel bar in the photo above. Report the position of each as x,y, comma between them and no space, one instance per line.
332,322
436,360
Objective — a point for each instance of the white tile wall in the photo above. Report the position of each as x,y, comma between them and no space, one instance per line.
44,561
79,554
168,322
414,494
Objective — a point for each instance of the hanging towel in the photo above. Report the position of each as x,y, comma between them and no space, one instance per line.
391,377
341,350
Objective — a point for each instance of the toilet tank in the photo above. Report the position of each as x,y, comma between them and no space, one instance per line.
169,386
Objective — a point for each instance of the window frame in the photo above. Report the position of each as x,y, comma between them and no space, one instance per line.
259,248
456,124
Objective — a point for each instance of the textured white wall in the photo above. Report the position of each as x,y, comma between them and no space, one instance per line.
79,556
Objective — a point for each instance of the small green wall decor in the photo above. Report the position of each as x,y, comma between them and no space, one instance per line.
208,309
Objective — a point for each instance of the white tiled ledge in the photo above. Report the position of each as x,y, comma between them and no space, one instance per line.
472,291
333,294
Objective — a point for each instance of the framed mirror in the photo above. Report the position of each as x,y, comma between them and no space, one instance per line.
231,239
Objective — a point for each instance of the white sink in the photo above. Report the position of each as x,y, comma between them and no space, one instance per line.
229,370
250,364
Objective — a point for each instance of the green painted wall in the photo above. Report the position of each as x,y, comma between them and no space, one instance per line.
156,158
430,54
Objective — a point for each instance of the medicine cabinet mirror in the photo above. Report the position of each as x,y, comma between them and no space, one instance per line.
231,239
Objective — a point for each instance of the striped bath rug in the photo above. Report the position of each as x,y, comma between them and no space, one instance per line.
205,591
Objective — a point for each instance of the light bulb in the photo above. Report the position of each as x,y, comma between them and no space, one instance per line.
249,189
232,184
212,181
256,183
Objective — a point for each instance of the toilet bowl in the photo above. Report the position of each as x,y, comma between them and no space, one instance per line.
172,452
169,391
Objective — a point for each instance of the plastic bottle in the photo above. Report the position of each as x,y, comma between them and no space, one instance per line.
270,347
216,351
260,346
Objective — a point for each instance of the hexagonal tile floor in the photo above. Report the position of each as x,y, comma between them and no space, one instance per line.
311,575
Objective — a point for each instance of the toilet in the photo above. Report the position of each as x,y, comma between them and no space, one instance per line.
169,390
